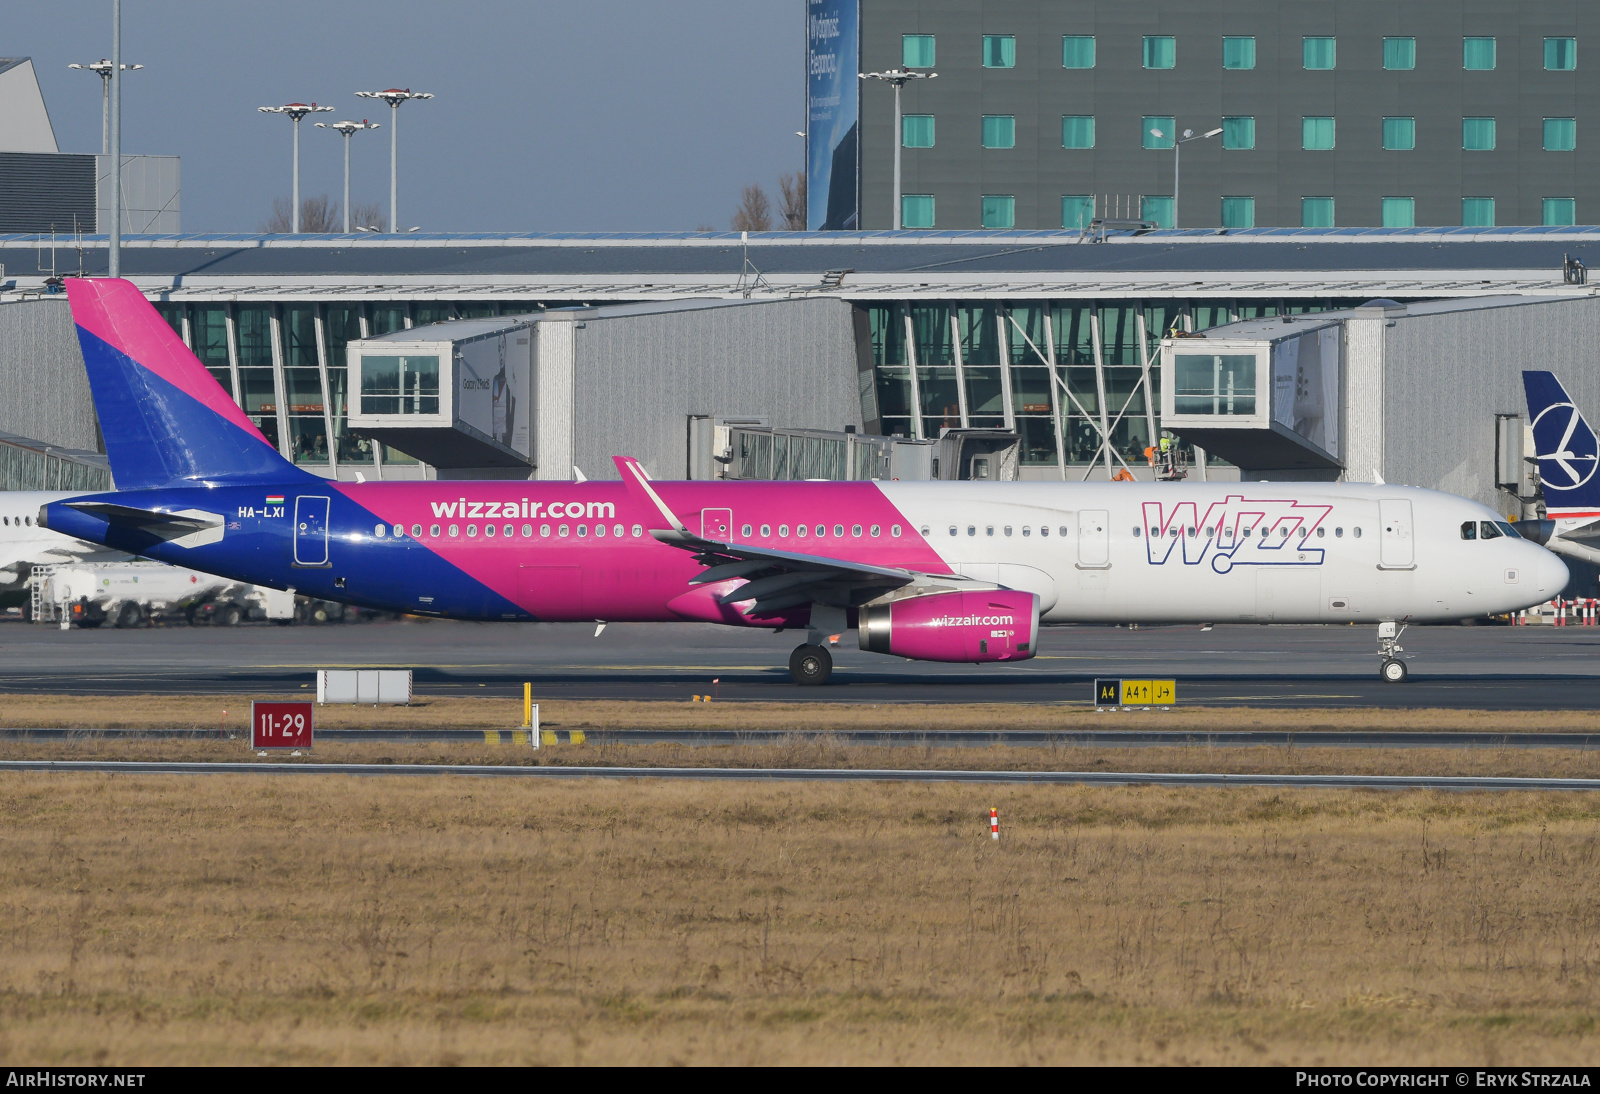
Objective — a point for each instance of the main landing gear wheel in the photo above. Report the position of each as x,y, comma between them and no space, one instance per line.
1393,671
810,665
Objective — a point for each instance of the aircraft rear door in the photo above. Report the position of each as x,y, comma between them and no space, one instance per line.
1396,544
1094,539
310,531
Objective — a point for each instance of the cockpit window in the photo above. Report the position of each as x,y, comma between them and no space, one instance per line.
1508,529
1469,529
1490,530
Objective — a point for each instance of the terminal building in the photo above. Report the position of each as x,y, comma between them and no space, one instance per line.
1363,113
1390,352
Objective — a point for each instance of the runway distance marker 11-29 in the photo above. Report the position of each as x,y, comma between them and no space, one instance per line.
280,725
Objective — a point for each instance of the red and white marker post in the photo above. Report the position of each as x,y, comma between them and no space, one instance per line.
994,824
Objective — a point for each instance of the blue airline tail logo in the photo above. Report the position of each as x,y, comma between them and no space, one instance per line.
1566,448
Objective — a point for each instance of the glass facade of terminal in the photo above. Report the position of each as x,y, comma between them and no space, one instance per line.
1063,374
284,364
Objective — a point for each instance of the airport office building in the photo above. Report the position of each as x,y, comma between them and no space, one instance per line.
1339,113
536,356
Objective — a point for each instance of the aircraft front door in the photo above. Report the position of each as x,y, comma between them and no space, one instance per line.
310,531
1094,539
1396,544
716,524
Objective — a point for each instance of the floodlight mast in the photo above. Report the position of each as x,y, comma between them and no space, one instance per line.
295,112
1177,149
347,129
114,244
102,68
897,78
394,97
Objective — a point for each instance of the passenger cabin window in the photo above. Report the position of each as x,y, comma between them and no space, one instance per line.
1469,529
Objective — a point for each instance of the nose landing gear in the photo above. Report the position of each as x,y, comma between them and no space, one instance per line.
1393,670
810,665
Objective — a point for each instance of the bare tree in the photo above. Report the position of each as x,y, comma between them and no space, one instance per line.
318,214
792,200
704,228
754,213
367,214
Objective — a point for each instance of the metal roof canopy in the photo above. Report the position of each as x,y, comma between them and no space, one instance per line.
1258,263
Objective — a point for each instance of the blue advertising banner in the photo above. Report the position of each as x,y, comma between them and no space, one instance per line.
833,105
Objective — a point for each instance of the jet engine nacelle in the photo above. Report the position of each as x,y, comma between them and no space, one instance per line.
988,625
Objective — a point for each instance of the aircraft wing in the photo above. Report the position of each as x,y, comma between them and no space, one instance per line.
776,579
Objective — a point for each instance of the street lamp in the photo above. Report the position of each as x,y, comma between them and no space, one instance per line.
102,67
897,77
1177,149
295,111
346,129
394,97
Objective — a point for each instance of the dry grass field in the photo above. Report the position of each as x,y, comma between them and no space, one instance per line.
207,712
158,919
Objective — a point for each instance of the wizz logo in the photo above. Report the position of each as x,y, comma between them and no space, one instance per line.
1234,532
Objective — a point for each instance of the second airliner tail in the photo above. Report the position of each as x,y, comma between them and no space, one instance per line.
1565,445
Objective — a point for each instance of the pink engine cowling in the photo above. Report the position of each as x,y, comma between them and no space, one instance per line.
988,625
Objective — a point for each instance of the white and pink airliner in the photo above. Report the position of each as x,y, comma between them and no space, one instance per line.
945,571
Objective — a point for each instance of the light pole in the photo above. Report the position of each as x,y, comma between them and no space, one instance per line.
394,97
102,68
1177,149
897,77
347,129
114,245
295,111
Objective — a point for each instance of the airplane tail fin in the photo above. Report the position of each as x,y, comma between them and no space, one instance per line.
164,418
1565,445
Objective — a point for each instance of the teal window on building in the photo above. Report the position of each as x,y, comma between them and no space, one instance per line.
1238,134
1077,51
1477,134
916,50
1156,209
999,211
1477,212
1559,211
999,131
1077,210
916,210
1077,131
1400,54
1560,134
1399,212
1160,51
1477,54
916,130
1560,54
999,51
1316,212
1239,53
1399,134
1153,125
1319,52
1238,212
1316,134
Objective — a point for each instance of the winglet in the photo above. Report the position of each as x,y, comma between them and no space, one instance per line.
638,484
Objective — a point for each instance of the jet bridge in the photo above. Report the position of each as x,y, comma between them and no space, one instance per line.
1266,396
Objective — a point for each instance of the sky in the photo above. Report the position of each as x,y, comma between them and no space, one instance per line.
586,115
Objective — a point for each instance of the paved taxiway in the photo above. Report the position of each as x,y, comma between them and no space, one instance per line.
1486,668
817,774
939,738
